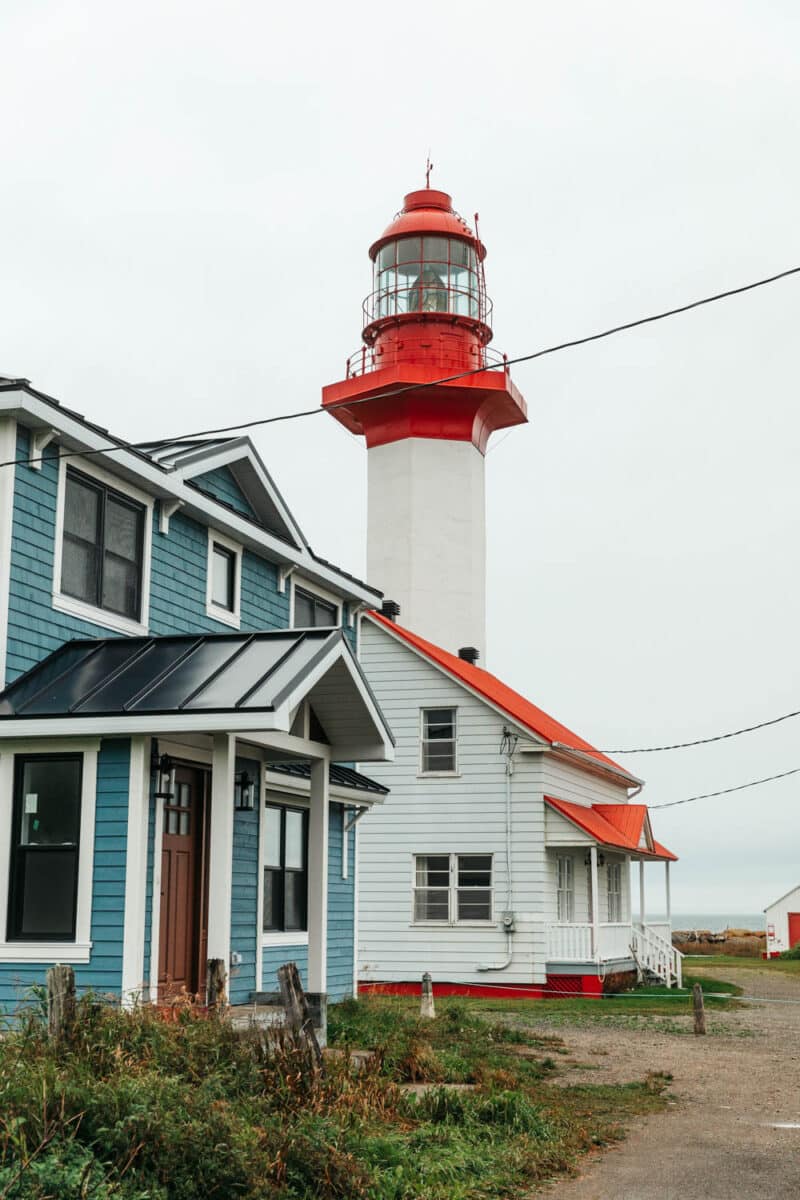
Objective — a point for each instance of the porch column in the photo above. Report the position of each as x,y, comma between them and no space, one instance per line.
595,905
220,863
133,982
667,892
318,877
641,891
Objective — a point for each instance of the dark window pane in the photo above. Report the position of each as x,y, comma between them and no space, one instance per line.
439,723
311,612
474,870
50,803
431,904
474,905
102,547
122,529
120,586
440,758
82,509
303,609
295,892
79,569
46,894
272,899
223,577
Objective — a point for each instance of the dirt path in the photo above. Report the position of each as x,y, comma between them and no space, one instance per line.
733,1088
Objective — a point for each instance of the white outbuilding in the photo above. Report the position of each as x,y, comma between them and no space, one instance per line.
783,923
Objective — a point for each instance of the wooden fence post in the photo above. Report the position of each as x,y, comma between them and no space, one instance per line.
298,1015
216,993
699,1010
426,1006
60,1001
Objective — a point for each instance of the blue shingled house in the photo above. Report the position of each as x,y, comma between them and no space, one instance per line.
181,698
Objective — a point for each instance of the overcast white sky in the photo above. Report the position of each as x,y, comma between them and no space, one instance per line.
188,194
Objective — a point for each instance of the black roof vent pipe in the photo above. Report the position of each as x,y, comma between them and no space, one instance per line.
390,609
469,654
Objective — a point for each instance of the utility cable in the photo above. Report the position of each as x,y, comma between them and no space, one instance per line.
727,791
718,737
504,364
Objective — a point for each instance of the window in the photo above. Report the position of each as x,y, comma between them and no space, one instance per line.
614,892
286,869
438,741
452,888
311,611
565,889
102,547
46,822
224,579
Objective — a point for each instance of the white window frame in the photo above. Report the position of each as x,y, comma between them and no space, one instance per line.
566,863
227,616
422,773
80,948
314,590
452,891
614,872
275,937
80,608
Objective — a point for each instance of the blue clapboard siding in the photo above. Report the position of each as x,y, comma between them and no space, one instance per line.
103,973
177,583
244,897
276,956
341,910
221,484
34,627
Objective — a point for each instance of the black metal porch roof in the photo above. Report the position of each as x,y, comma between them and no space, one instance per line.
231,672
339,776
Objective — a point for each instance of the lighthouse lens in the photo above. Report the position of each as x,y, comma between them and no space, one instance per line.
426,274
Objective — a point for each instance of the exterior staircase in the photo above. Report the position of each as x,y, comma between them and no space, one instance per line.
656,957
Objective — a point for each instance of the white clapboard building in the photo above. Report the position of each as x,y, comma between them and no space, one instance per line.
783,923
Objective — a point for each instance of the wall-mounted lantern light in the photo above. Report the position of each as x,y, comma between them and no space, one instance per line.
162,769
601,860
244,792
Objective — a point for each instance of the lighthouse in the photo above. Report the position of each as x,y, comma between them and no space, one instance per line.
427,391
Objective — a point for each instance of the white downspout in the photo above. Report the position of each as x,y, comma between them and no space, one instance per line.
508,747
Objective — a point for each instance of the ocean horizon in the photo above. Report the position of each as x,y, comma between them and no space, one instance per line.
715,922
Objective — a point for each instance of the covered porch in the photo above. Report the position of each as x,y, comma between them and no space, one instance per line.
175,849
592,926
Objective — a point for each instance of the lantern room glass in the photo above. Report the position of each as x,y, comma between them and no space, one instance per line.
426,274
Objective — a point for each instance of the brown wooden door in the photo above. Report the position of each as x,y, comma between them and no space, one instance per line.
182,885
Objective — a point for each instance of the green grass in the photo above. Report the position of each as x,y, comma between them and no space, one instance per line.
781,966
136,1108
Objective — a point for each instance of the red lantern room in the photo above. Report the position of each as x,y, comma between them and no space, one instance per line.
426,319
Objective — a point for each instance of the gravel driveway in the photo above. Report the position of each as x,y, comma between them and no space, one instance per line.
721,1139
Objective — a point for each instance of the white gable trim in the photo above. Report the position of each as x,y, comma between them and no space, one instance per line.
162,483
537,744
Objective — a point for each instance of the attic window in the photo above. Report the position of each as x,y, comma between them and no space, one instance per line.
438,741
224,580
311,611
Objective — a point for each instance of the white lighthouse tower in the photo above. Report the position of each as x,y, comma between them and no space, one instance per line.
426,392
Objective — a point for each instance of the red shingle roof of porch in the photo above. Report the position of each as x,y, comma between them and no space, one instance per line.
616,825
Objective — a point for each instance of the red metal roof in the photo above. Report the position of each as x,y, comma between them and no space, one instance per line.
617,825
504,697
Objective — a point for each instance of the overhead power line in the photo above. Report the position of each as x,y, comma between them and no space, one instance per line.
719,737
119,444
727,791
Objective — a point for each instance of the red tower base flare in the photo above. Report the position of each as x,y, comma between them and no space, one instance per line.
466,410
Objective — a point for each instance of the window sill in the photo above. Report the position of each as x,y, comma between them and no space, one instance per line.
438,775
296,937
453,925
98,616
224,616
61,952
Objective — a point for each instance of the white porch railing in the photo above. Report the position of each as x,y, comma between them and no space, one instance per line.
656,954
571,942
650,944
